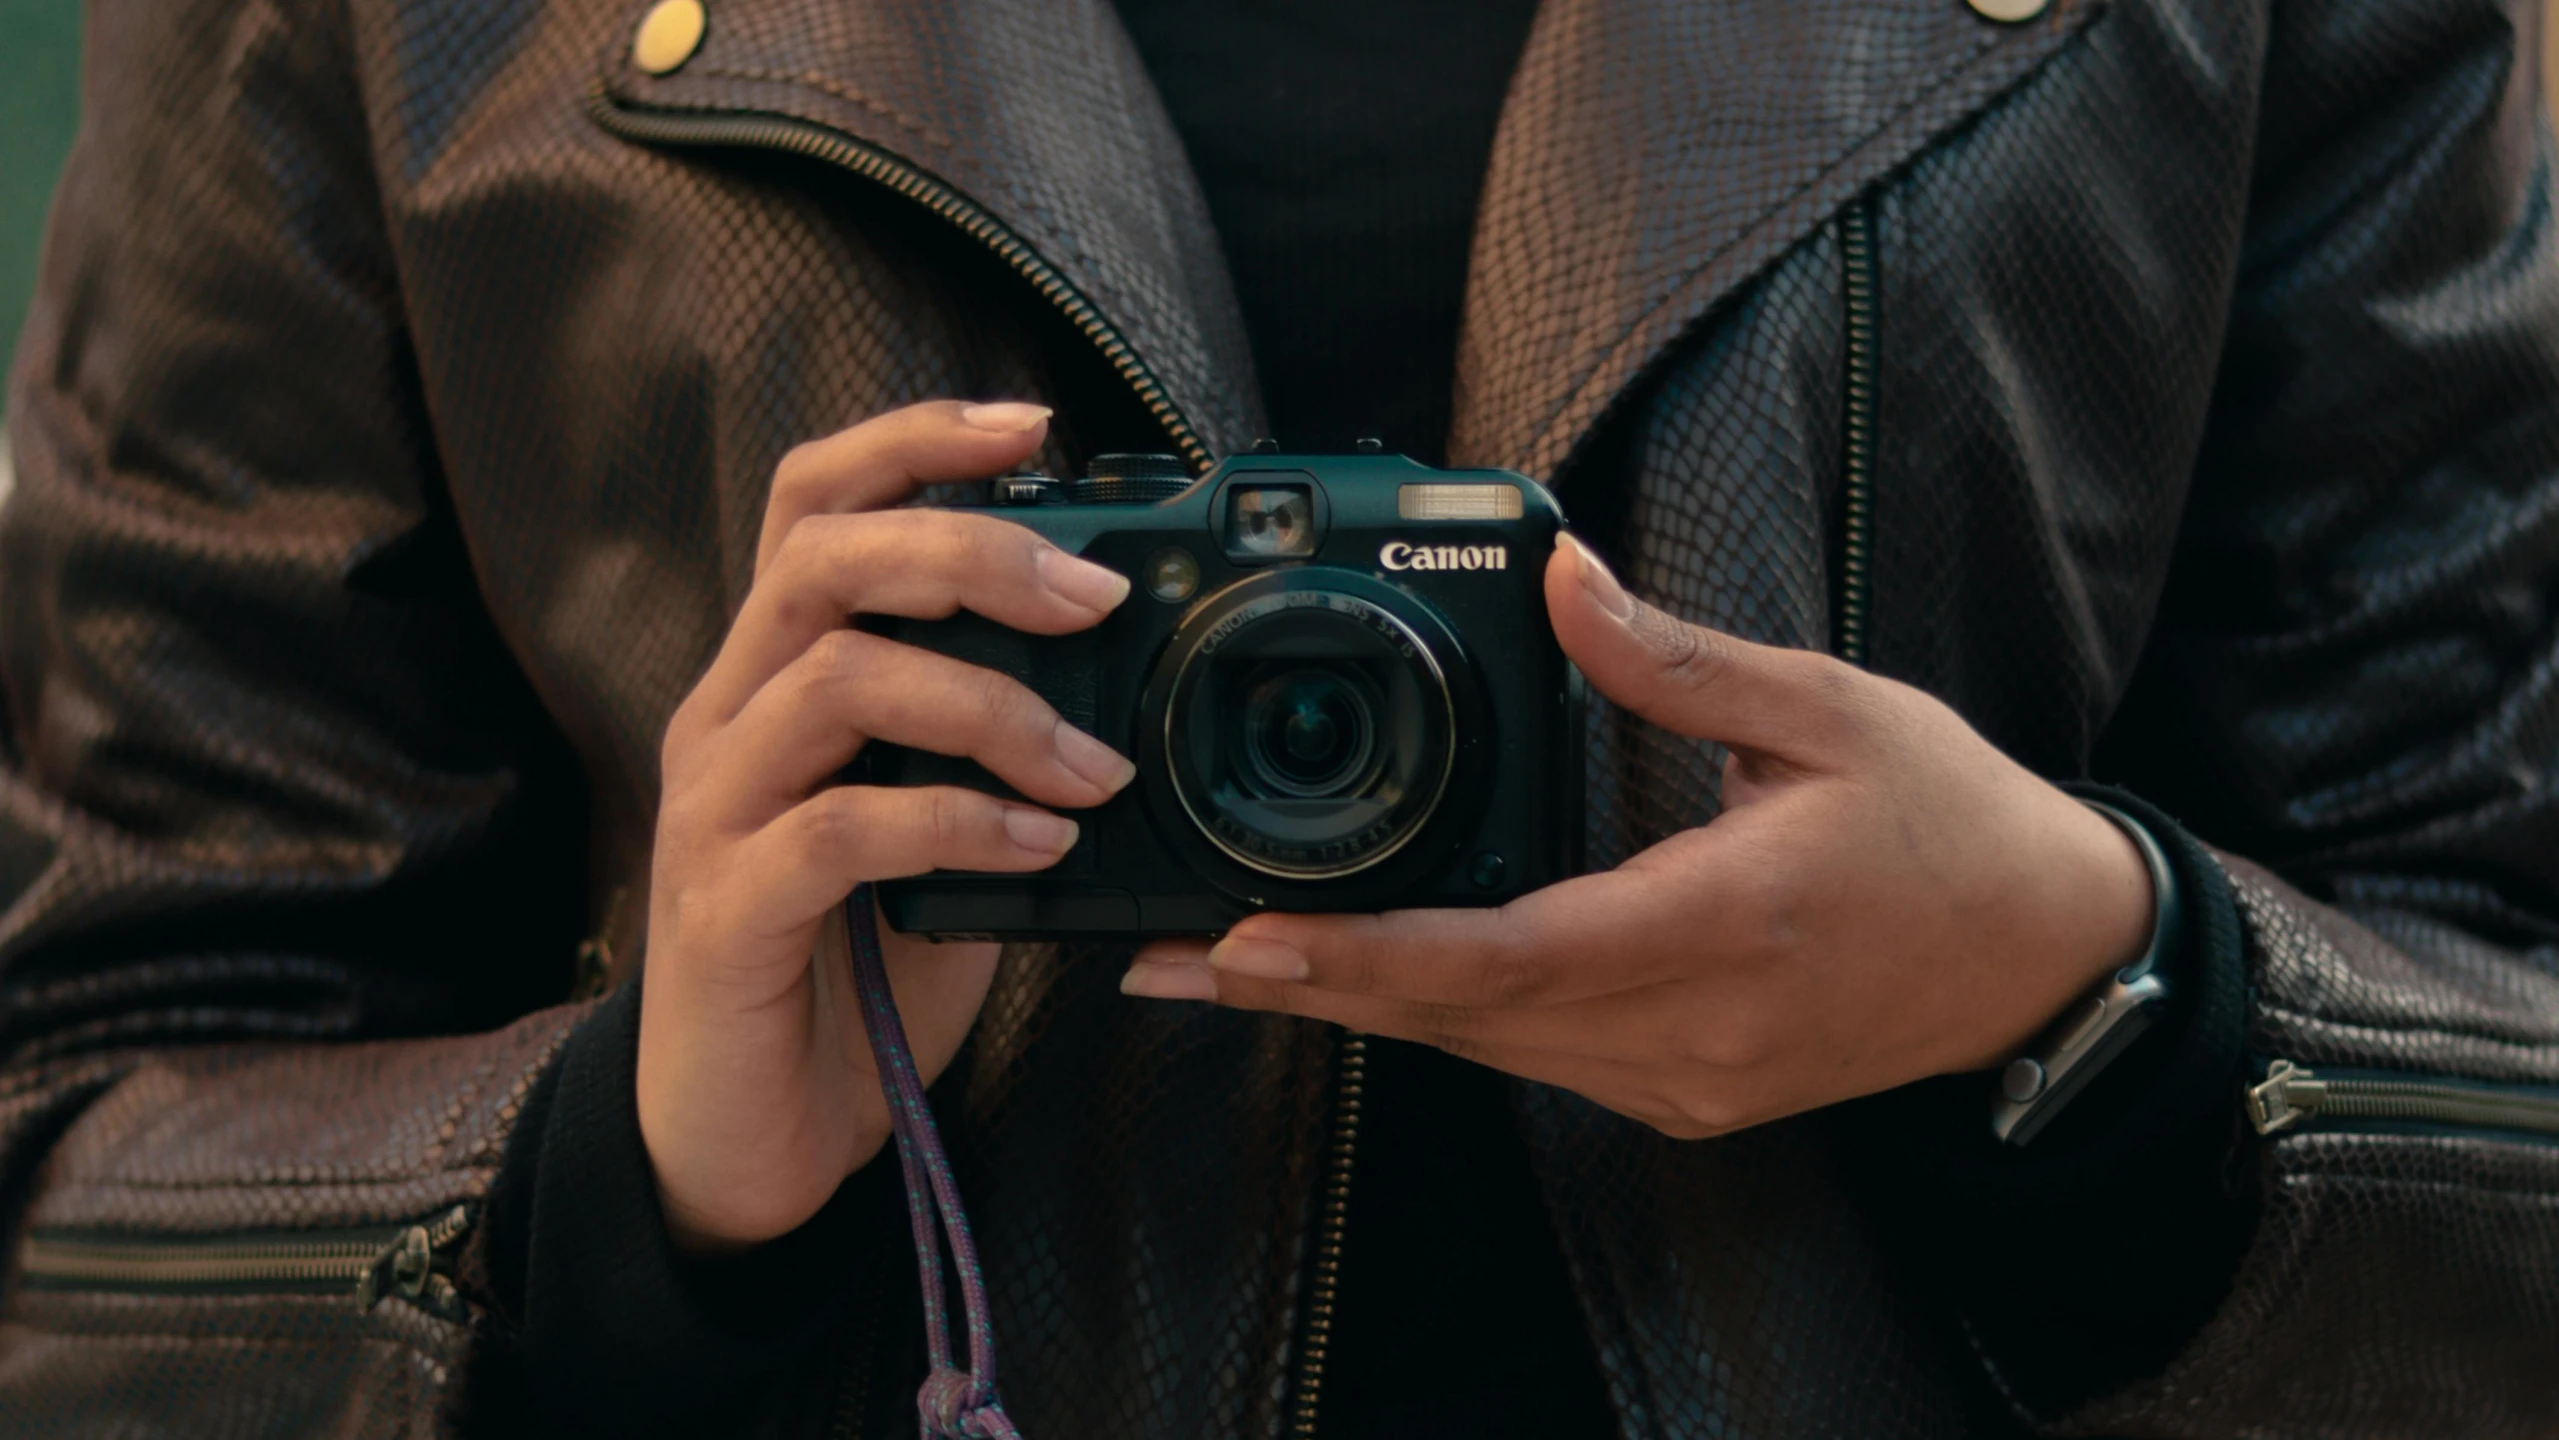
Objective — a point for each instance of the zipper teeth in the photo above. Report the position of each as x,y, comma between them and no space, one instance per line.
1857,499
1328,1241
2290,1095
357,1260
798,137
107,1262
2393,1101
2419,1100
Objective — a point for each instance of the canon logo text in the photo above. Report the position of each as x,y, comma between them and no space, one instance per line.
1396,555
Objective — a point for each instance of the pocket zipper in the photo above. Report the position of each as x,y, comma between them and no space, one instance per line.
368,1264
2292,1097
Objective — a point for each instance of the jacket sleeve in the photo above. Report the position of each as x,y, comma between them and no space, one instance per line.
290,858
2354,680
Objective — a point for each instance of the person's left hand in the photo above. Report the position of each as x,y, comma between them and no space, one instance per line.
1884,897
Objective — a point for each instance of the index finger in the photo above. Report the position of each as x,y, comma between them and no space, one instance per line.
887,458
1595,935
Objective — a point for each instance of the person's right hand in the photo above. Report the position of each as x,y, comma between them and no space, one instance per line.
757,1093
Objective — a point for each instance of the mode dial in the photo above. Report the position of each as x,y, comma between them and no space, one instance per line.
1131,480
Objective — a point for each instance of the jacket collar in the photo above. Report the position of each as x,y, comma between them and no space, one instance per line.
1653,156
1037,111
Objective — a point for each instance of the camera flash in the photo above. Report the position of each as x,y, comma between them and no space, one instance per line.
1270,521
1457,502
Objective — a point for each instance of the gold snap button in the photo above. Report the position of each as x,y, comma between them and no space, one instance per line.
669,34
2009,12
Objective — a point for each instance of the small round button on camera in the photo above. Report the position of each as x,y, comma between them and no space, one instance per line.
1172,575
1486,871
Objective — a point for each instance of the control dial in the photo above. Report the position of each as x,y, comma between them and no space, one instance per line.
1130,480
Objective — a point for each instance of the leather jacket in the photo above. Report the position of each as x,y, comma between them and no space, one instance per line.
2170,385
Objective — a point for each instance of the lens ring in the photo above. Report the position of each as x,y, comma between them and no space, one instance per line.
1214,793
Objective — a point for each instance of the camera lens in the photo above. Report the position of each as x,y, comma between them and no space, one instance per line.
1310,730
1310,733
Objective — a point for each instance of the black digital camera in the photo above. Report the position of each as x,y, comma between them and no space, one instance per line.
1336,678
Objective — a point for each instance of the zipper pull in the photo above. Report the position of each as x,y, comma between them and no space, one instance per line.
2286,1097
406,1266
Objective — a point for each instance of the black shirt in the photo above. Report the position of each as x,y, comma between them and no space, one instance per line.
1341,146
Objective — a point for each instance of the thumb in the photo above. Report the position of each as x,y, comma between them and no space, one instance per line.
1686,678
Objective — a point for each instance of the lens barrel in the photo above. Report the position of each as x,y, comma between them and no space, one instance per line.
1309,722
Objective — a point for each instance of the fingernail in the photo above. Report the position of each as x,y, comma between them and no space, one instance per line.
1169,982
1004,417
1038,831
1603,586
1081,581
1092,760
1261,959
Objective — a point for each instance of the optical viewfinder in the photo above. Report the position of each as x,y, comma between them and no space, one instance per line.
1270,522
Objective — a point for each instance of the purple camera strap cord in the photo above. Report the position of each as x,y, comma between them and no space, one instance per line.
954,1404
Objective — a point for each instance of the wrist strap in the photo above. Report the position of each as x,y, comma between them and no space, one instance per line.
954,1404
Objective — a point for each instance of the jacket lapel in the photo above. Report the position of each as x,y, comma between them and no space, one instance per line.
1655,155
1038,111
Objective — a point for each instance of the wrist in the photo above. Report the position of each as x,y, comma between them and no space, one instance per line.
2083,908
739,1155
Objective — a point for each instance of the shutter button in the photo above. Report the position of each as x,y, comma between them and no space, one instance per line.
2009,12
669,34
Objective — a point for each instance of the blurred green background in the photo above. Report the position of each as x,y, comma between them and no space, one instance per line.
39,106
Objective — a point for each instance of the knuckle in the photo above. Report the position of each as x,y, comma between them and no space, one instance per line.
806,549
1513,976
993,695
1733,1039
840,653
1455,1045
680,819
823,677
1707,1112
1764,911
1361,970
800,470
1842,698
1446,1027
947,821
1691,657
834,820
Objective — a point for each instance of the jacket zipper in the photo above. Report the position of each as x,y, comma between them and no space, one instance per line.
2292,1097
1351,1078
834,147
367,1264
758,131
1857,490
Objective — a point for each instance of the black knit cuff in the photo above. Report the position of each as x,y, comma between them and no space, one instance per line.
2088,1258
615,1329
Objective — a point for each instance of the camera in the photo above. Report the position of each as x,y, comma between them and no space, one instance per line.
1336,678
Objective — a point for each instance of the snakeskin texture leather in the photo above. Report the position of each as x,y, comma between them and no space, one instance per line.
394,423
